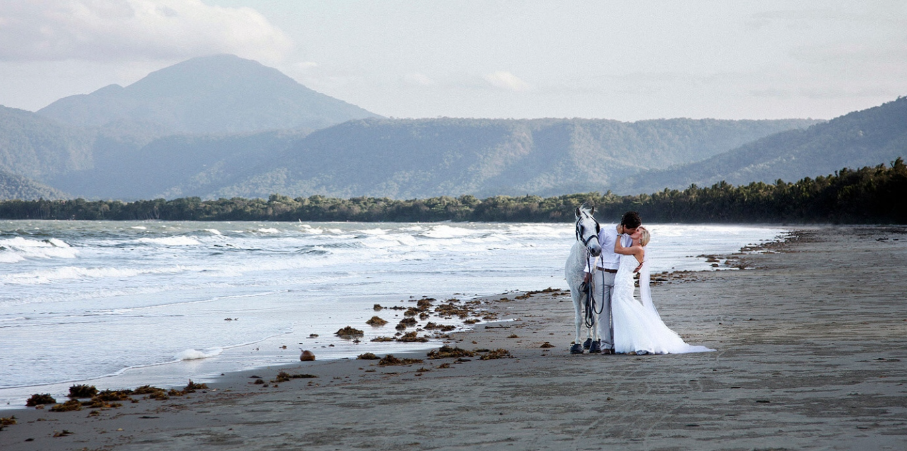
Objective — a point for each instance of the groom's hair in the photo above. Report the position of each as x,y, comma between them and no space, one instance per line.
631,220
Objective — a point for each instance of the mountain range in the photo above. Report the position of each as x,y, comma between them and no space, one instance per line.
863,138
223,126
486,157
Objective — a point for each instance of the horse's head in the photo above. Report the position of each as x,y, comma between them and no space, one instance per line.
587,229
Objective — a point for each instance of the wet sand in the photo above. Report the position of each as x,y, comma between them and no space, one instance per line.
811,343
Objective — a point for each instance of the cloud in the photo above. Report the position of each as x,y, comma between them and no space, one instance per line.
303,66
121,30
507,81
418,79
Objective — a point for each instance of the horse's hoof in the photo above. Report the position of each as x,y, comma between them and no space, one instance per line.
596,347
587,344
576,348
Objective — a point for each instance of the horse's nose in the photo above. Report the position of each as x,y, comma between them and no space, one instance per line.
595,250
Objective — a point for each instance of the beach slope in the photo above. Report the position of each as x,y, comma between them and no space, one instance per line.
811,341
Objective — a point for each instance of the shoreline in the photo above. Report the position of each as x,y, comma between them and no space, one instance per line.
798,364
172,373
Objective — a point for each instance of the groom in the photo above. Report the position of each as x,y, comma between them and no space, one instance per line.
608,265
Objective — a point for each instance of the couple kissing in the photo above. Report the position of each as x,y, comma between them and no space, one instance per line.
600,271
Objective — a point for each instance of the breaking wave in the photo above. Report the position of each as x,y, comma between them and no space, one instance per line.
194,354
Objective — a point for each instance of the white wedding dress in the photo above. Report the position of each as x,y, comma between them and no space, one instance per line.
637,325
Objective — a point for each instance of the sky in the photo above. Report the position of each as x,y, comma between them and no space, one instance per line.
623,60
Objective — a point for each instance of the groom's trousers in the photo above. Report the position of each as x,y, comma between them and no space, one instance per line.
604,287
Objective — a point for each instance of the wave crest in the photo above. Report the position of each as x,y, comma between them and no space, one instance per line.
195,354
171,241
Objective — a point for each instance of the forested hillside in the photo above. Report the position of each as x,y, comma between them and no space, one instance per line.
484,157
175,166
17,187
861,138
36,147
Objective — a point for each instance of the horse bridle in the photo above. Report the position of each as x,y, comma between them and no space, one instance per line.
579,236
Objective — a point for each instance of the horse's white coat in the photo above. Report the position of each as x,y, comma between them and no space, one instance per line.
575,268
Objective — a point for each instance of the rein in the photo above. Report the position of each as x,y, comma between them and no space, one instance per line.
588,289
589,311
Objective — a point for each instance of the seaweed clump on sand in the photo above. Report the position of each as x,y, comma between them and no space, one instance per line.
440,327
40,399
383,339
528,294
367,356
391,360
114,395
450,309
191,387
4,422
412,337
376,321
99,400
284,376
406,322
152,392
348,333
97,403
72,404
424,304
446,352
496,354
82,391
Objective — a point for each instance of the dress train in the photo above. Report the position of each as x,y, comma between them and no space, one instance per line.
637,325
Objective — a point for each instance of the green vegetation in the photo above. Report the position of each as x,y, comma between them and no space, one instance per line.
866,195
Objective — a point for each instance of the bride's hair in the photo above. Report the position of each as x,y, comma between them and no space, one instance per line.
643,236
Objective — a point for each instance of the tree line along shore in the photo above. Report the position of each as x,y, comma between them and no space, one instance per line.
869,195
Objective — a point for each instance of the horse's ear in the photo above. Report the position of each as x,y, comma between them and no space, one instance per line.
577,212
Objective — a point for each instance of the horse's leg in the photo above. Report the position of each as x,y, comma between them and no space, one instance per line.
595,339
577,347
596,346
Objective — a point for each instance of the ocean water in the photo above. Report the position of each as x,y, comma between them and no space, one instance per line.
121,304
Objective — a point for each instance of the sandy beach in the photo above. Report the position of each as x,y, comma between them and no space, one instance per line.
811,341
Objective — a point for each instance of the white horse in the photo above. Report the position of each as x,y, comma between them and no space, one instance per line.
586,244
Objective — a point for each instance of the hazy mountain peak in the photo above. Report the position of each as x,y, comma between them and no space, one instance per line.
109,90
210,94
198,75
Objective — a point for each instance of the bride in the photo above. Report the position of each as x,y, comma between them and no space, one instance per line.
638,328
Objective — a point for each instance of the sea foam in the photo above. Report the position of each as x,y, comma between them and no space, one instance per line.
195,354
77,272
18,248
171,241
